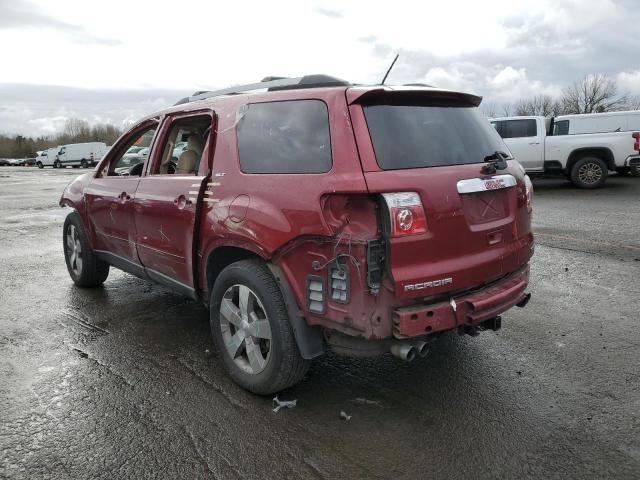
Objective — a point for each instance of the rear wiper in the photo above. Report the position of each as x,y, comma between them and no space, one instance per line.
496,161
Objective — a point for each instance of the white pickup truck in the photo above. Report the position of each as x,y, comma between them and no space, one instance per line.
582,147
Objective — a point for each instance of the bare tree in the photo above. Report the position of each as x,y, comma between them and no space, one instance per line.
536,105
633,103
77,128
594,93
489,109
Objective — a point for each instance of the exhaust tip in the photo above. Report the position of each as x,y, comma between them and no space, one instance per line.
411,354
422,348
403,351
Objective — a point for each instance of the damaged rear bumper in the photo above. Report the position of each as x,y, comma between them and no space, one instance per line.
469,309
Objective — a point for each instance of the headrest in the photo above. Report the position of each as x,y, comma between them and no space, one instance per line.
194,143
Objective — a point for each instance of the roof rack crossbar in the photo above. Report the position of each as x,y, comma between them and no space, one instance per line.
307,81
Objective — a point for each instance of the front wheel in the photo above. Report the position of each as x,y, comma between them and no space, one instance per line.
589,172
251,329
83,266
57,164
40,165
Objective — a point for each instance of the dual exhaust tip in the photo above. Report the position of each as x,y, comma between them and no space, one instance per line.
408,351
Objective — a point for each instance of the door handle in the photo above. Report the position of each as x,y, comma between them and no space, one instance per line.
534,143
124,197
182,201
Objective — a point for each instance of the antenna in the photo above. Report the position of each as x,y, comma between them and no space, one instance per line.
390,67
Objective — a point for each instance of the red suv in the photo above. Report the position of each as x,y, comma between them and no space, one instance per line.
310,214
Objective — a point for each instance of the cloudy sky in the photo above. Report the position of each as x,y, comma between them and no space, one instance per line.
118,60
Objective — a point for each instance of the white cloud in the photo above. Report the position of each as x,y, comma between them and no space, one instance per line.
503,49
629,82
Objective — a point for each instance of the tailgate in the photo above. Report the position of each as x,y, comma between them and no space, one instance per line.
473,237
478,226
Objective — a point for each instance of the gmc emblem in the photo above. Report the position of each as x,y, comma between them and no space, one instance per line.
495,184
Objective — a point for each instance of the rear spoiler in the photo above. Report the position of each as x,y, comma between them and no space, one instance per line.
367,94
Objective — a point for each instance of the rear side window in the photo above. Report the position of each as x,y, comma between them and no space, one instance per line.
284,137
561,127
517,128
417,136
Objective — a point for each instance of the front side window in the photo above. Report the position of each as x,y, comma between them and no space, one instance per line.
183,146
284,137
130,160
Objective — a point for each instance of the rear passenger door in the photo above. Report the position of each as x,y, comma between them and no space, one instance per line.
167,201
525,139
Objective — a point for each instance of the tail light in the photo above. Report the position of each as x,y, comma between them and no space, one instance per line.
406,212
528,192
636,144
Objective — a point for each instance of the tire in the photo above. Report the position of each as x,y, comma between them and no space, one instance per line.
273,362
634,171
84,268
57,164
84,163
40,165
589,172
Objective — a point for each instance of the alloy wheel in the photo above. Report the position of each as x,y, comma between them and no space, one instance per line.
590,173
74,250
245,329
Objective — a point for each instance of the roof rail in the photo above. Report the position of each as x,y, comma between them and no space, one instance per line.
272,84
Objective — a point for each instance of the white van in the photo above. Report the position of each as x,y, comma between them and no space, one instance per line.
47,157
80,154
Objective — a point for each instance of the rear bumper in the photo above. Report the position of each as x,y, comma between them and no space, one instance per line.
467,309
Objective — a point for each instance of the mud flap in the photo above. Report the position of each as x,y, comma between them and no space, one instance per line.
309,339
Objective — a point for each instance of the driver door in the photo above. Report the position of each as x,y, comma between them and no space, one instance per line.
109,199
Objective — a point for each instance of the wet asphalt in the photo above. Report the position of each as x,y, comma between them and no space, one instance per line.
122,381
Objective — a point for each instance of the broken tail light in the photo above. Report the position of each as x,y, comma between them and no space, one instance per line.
406,212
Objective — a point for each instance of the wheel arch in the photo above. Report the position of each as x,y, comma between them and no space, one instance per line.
310,340
603,153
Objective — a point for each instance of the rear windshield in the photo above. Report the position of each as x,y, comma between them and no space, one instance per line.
417,136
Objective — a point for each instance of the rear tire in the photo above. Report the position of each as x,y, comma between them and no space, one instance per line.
84,268
634,171
589,172
84,163
251,329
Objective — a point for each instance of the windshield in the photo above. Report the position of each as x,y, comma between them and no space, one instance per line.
418,136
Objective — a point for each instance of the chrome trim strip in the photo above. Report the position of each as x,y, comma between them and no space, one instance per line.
495,182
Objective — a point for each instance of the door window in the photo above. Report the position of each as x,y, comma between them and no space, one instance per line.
284,137
516,128
131,157
561,127
183,146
